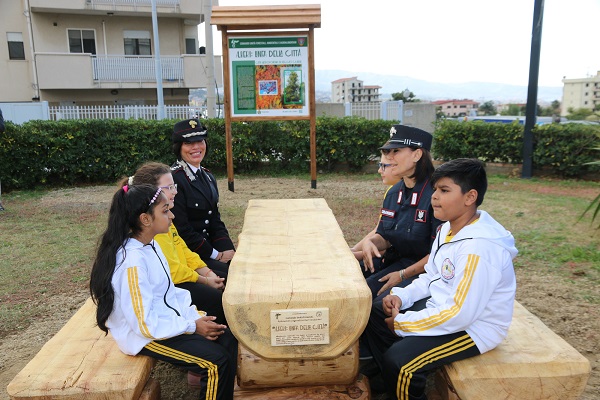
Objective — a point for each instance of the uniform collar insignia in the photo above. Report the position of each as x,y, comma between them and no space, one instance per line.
186,168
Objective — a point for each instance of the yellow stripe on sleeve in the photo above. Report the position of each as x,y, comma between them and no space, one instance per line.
136,300
459,299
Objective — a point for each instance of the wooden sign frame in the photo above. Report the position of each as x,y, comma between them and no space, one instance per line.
268,21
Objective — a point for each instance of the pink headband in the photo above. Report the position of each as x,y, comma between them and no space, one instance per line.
155,196
125,188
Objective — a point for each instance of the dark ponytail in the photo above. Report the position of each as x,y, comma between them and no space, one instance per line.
123,222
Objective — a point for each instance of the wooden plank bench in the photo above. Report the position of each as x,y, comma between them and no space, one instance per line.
80,362
532,363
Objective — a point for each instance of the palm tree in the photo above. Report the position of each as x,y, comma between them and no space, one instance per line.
596,201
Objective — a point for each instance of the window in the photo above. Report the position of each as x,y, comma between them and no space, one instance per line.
16,50
190,46
137,43
82,41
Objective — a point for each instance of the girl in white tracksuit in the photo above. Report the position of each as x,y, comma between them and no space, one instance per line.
138,303
462,305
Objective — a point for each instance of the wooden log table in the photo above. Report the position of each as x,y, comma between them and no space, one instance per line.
294,289
296,300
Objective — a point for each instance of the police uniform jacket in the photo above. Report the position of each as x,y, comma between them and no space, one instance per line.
407,222
196,211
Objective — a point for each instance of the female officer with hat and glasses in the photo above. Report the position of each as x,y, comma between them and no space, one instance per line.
197,216
406,225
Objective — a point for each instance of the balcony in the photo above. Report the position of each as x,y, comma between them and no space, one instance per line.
136,69
183,8
86,71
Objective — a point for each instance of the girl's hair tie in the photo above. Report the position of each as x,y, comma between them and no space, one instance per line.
130,180
155,196
125,188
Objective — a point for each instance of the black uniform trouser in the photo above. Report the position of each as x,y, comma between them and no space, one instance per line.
215,361
405,362
206,298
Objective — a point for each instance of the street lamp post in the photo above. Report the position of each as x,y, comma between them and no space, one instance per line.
157,64
534,69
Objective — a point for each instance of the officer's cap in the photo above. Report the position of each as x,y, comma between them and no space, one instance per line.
407,136
190,130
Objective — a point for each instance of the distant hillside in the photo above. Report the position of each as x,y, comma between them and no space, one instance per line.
425,90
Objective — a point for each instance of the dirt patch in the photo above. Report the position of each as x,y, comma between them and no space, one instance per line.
557,302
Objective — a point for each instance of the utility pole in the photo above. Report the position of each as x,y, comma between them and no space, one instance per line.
534,69
157,65
211,90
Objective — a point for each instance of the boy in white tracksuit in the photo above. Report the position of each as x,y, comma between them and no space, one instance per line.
462,305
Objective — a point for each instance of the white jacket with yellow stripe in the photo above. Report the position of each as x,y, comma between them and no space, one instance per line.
147,306
472,285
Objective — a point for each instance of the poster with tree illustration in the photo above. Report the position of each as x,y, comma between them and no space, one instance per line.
293,87
269,75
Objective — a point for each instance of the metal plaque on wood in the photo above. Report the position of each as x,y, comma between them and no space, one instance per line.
300,327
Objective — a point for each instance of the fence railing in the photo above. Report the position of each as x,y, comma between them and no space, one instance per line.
135,68
125,112
135,2
387,110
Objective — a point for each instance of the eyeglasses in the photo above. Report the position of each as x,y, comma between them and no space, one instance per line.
384,166
171,188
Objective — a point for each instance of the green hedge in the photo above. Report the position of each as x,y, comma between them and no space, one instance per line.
560,149
101,151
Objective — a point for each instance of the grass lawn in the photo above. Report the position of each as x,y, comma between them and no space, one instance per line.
48,238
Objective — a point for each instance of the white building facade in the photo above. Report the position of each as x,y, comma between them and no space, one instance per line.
101,52
352,90
580,93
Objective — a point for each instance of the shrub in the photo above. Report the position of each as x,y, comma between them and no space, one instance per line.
561,149
102,151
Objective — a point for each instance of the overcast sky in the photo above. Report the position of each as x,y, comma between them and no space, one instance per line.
452,41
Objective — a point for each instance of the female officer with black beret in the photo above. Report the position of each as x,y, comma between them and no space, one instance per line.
196,211
406,225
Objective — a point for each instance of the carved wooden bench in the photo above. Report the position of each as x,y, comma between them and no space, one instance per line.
81,362
532,363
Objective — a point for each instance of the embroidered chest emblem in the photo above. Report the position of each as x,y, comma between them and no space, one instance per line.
447,269
388,213
421,216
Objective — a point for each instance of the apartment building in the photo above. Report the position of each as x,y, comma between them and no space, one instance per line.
457,108
102,52
352,90
580,93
